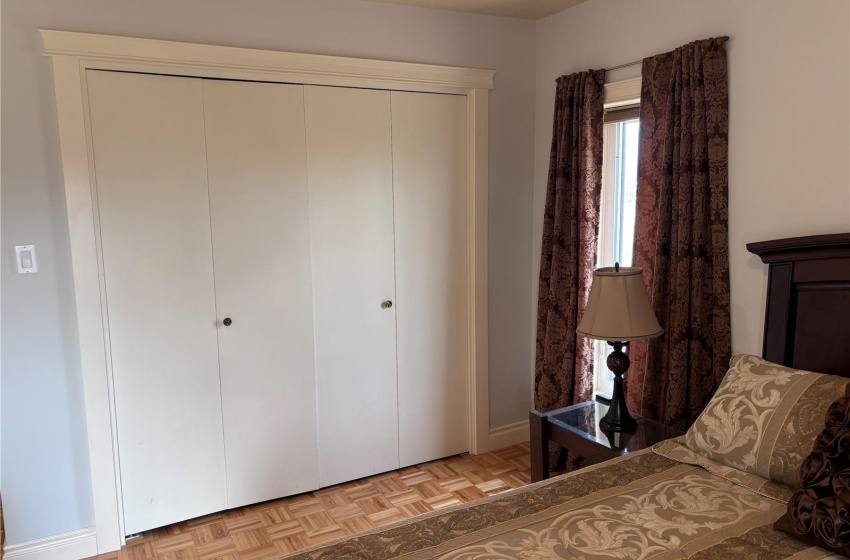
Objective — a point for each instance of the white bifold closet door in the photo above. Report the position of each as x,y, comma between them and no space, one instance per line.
388,206
261,246
203,205
432,311
285,274
148,138
349,157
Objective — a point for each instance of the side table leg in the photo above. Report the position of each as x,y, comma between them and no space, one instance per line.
539,444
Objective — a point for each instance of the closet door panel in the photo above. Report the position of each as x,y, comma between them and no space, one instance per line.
148,140
261,246
429,177
349,156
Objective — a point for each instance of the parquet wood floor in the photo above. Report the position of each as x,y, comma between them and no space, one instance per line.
271,529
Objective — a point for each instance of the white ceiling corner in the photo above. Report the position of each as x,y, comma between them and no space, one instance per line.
524,9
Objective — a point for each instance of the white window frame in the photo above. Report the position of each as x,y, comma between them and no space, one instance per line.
618,95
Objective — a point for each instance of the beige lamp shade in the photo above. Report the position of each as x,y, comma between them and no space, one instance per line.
618,308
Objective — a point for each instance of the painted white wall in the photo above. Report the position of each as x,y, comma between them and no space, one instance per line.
46,487
789,120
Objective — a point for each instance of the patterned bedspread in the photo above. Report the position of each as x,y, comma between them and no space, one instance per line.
662,504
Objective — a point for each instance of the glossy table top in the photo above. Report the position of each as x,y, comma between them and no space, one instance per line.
583,420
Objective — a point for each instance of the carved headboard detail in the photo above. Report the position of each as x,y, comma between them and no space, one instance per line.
807,318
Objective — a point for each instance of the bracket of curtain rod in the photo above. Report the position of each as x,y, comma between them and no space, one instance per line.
634,62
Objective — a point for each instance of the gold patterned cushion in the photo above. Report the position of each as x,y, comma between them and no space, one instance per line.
764,418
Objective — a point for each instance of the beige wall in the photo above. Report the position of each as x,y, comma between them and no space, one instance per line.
789,139
45,474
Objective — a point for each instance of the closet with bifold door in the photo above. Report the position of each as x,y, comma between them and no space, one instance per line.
285,275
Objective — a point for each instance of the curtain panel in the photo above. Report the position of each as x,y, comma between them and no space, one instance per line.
681,232
570,231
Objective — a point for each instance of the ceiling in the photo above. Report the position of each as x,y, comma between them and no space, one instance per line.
525,9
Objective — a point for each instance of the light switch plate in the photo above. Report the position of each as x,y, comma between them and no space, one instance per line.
25,257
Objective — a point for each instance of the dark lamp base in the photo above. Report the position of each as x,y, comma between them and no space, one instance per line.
618,418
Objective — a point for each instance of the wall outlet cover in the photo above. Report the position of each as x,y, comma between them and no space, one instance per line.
25,258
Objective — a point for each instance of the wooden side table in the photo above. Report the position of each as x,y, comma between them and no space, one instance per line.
577,429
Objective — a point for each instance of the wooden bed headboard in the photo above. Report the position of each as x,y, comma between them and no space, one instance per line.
807,318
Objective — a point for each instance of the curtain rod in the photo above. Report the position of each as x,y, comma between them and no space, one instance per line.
634,62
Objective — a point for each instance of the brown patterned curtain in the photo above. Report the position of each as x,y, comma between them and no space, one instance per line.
681,232
570,229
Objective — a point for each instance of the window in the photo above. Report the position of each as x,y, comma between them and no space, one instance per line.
616,213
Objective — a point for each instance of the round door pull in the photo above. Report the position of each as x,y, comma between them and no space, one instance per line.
227,322
387,304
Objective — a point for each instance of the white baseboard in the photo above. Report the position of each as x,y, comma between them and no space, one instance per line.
73,545
510,434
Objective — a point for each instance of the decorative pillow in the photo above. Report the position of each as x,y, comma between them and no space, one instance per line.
819,514
764,418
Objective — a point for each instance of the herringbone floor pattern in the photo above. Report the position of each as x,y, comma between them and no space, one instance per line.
271,529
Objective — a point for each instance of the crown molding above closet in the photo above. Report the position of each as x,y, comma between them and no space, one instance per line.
265,65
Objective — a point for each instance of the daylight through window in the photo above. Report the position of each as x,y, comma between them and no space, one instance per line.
616,215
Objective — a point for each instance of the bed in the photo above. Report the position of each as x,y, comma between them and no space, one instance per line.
671,502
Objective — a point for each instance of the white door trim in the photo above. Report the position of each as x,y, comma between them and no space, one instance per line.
75,53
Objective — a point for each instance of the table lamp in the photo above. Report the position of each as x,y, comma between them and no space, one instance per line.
618,311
